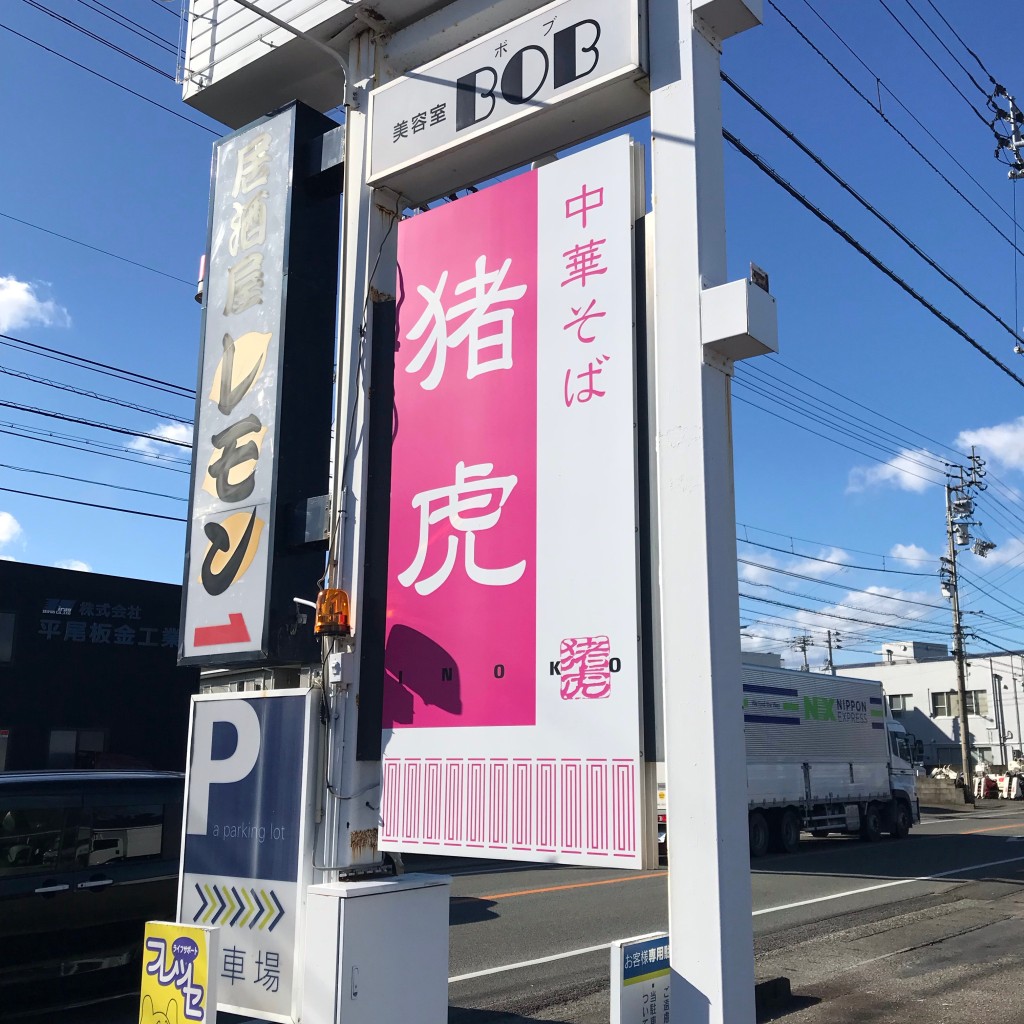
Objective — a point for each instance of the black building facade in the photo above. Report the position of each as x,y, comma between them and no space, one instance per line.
88,671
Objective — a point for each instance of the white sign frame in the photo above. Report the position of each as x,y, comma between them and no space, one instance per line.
567,785
433,157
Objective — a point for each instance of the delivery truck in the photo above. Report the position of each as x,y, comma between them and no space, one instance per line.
823,756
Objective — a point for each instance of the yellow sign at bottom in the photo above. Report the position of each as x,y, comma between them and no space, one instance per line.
179,978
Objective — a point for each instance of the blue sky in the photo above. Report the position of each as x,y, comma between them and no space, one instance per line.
857,354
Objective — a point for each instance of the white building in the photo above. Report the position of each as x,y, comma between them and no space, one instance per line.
920,683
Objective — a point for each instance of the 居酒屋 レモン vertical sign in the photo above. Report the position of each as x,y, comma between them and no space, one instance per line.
262,421
511,706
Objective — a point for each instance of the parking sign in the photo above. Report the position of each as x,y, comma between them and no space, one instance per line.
247,852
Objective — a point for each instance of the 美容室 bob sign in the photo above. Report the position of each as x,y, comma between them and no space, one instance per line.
511,708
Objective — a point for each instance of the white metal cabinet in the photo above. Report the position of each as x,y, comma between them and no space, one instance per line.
377,951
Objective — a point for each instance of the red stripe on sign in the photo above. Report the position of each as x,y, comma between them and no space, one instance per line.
233,632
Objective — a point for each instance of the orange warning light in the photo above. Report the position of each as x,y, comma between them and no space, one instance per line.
332,614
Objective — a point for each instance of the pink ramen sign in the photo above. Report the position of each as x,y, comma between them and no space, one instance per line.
511,710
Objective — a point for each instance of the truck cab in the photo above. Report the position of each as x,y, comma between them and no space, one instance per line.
902,775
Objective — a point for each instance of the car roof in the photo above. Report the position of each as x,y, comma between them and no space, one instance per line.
69,775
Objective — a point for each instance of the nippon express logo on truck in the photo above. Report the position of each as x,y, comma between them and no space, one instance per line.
783,706
842,709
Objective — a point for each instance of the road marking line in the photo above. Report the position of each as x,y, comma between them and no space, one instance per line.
531,963
993,828
946,818
561,888
888,885
767,910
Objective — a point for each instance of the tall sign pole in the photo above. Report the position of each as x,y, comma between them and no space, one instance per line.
367,273
696,608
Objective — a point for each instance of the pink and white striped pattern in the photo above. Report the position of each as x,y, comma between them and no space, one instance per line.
578,808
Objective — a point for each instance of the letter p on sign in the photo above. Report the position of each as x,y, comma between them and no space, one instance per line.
205,770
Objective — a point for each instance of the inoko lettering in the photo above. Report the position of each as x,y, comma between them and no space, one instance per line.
574,55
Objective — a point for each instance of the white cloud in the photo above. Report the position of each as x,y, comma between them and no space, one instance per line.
885,602
1011,550
73,563
759,573
921,559
10,528
21,306
913,471
889,606
167,431
1004,442
911,552
821,565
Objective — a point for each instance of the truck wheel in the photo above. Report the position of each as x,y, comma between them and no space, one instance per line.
900,825
871,826
758,834
789,831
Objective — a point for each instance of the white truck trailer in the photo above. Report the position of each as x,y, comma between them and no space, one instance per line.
822,756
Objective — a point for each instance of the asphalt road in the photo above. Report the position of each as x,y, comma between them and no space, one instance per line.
946,903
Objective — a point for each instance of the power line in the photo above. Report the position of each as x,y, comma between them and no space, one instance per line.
842,618
825,437
106,369
893,127
941,43
110,400
903,457
93,423
841,604
874,412
95,248
129,25
832,583
823,412
974,582
71,23
994,646
850,190
960,40
91,504
866,253
822,544
915,459
95,483
917,43
831,561
785,644
124,88
783,622
759,368
90,448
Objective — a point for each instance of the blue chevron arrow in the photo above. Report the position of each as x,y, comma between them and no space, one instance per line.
260,908
280,911
241,907
204,901
221,901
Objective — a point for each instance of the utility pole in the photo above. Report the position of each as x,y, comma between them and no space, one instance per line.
1013,140
839,643
961,483
1015,683
801,643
